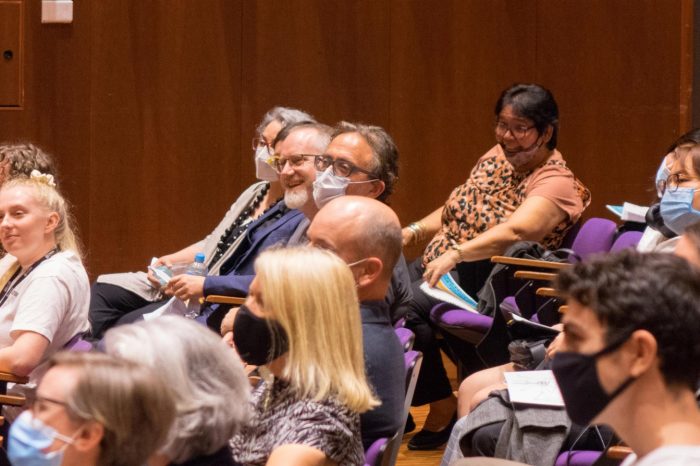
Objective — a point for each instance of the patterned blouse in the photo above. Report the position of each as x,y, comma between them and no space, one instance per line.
494,191
282,418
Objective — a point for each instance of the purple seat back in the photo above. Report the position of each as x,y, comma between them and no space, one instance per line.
596,235
78,344
375,452
578,458
468,326
628,239
406,337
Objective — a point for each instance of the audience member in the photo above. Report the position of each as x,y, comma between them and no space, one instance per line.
630,357
366,234
657,236
274,227
521,189
206,378
301,325
93,410
45,289
17,159
114,295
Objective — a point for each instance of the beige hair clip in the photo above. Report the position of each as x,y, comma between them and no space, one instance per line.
43,178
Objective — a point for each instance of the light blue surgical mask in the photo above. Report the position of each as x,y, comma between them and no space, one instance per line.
263,170
328,186
28,439
662,174
677,209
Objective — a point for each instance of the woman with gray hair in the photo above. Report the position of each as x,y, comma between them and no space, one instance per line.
206,378
117,294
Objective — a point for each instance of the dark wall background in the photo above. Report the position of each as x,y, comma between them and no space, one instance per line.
150,107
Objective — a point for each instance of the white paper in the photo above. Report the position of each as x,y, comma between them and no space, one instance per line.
173,306
534,388
446,297
633,213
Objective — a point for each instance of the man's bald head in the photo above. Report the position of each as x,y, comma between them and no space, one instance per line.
356,228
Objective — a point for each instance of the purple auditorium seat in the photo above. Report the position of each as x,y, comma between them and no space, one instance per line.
78,344
596,235
628,239
375,452
578,458
406,337
468,326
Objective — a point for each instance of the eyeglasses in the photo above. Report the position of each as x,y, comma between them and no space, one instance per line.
673,182
518,131
41,403
261,142
295,160
340,167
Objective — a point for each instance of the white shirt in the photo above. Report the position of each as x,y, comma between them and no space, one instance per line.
53,301
672,455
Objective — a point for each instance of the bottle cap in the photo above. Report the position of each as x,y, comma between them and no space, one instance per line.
199,257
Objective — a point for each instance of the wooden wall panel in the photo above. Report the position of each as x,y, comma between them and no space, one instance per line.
150,106
616,78
165,124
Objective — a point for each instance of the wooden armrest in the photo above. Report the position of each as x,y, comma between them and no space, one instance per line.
530,275
551,292
618,452
12,400
563,309
7,377
221,299
530,262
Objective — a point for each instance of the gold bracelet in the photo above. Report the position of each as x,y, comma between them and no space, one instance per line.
417,230
456,247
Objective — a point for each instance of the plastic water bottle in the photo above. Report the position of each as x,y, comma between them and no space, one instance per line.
199,269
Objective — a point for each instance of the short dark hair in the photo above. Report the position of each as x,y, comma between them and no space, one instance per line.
691,137
535,103
657,292
386,155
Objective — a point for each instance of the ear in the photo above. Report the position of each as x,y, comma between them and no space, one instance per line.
376,189
90,437
371,270
643,352
52,222
548,134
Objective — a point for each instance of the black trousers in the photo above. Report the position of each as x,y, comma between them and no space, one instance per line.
112,305
433,383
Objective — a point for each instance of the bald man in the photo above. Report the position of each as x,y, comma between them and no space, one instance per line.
366,234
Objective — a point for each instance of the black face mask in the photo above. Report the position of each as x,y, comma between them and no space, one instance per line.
579,383
258,341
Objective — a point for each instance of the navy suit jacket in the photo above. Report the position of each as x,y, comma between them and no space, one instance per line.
259,236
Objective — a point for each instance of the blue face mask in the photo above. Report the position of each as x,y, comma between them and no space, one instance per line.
677,209
662,174
28,439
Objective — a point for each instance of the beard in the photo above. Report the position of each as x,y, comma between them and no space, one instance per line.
296,199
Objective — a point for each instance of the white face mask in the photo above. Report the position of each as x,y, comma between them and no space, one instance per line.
523,156
263,170
329,186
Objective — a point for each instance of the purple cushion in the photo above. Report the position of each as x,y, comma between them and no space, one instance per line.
577,458
465,319
596,235
373,455
628,239
406,337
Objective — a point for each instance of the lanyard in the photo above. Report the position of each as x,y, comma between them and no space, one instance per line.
17,277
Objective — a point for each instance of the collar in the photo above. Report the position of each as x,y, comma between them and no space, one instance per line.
375,312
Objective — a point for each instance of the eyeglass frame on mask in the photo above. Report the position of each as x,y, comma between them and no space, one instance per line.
295,160
340,166
672,183
260,141
519,131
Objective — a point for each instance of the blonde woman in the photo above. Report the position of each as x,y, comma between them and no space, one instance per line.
301,324
44,289
92,409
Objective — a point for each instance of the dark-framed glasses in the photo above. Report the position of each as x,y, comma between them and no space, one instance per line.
340,167
673,182
518,131
295,160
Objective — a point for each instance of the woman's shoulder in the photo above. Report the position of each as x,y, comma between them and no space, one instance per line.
62,264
